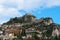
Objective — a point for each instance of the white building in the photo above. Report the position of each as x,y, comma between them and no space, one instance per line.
55,32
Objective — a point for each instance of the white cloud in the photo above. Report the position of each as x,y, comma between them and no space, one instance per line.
30,4
52,3
7,13
27,4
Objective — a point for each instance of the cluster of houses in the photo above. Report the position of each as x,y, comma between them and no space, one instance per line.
9,32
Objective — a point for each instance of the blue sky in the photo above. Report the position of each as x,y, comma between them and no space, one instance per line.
40,8
53,12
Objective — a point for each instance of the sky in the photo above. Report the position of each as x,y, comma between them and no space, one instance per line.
39,8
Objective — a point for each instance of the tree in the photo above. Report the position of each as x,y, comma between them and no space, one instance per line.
23,32
35,37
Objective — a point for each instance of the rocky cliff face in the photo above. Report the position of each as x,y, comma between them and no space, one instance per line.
44,25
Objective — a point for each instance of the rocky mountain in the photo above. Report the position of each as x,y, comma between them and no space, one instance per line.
47,27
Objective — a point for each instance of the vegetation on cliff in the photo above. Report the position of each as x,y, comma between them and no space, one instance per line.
44,25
